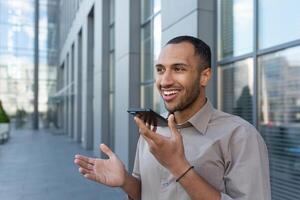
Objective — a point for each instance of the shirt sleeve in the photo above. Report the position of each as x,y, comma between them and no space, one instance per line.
136,166
247,166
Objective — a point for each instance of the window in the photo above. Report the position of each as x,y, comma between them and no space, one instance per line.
237,88
112,74
279,22
279,120
235,27
268,57
150,48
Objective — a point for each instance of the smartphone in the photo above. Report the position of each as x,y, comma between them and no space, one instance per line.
149,116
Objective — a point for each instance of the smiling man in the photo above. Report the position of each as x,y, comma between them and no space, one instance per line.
204,154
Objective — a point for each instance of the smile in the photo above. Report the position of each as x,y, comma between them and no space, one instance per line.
169,95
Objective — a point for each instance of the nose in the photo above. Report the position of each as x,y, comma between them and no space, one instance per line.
166,79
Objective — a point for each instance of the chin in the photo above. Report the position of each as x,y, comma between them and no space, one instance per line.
170,109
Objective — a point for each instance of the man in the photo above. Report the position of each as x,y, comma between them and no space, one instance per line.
208,155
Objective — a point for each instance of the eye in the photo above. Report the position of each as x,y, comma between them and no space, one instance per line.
179,68
160,69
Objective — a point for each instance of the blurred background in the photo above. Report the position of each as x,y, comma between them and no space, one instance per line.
73,68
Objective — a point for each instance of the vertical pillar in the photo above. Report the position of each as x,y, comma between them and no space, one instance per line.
127,71
36,67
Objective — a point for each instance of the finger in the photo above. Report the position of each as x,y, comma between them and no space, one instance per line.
148,125
90,176
149,136
83,164
172,126
143,129
154,128
84,171
85,159
105,149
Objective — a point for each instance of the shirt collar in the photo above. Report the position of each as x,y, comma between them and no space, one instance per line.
201,118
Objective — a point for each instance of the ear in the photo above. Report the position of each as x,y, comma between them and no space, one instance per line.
205,77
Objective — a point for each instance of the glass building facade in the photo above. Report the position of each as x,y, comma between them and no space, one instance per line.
259,79
17,59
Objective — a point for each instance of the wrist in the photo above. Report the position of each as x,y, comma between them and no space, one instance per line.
184,173
179,168
125,181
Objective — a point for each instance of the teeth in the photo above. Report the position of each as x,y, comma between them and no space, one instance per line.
167,93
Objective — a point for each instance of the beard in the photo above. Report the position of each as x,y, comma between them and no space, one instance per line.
190,97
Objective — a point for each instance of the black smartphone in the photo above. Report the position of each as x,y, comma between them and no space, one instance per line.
149,116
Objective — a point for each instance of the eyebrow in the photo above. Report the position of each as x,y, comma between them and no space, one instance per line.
175,64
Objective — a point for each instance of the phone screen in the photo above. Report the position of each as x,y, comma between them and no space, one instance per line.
149,116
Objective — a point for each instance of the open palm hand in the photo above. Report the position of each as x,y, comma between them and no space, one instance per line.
110,172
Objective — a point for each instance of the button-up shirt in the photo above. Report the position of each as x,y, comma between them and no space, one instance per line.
224,149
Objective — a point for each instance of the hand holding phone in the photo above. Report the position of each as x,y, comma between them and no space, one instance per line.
149,116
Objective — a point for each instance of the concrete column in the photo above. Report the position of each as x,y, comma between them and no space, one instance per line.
101,110
36,67
207,31
195,18
78,87
127,91
70,113
67,94
88,81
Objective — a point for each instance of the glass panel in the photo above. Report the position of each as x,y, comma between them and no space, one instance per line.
279,123
158,104
112,38
17,12
16,59
146,9
111,120
157,36
235,27
279,22
157,6
111,72
17,52
147,96
146,54
16,39
236,83
112,11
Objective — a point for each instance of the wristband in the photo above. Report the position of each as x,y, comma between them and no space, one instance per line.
184,173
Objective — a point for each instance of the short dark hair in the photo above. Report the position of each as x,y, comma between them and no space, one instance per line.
201,48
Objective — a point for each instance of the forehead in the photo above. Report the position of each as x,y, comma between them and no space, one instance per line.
180,52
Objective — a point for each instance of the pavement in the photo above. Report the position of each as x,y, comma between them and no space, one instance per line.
38,165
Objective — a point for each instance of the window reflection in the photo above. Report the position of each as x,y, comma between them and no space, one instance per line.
235,27
237,88
17,53
150,48
279,99
279,22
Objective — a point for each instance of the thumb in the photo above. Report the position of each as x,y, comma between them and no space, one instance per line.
105,149
172,125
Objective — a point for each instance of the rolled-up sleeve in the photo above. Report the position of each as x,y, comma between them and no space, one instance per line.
247,166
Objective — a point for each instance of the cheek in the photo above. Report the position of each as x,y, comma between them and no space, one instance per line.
157,83
188,82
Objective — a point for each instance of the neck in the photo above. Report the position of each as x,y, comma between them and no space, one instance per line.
184,115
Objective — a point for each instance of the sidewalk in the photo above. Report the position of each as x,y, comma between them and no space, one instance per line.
39,166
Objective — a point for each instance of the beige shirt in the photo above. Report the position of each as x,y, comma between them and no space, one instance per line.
224,149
